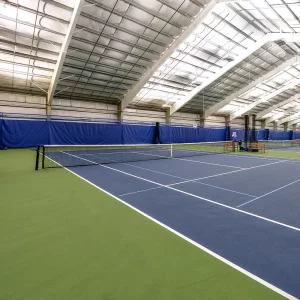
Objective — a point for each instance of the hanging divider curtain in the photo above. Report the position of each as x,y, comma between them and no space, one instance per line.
16,133
165,136
238,132
215,134
261,134
187,135
24,133
136,134
1,132
280,135
66,133
178,134
296,135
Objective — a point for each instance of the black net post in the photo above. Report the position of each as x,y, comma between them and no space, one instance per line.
37,159
228,130
43,159
253,135
157,137
246,138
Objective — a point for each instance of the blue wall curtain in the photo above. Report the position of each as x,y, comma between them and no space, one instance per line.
296,135
24,133
138,134
29,133
72,133
1,132
215,134
280,135
240,133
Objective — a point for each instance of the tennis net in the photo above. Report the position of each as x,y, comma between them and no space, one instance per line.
281,144
54,156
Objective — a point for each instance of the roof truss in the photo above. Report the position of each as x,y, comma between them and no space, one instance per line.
271,37
252,85
210,5
246,108
63,51
263,113
289,118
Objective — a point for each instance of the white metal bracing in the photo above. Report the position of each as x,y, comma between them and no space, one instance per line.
63,50
278,116
291,85
250,86
296,121
264,113
289,118
272,37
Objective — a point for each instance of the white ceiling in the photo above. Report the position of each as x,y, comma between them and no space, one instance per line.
121,48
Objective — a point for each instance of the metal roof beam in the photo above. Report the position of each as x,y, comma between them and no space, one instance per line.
246,108
289,118
275,117
280,115
167,54
63,51
252,85
296,121
271,37
263,113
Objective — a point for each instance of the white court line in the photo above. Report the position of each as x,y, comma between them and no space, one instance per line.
141,191
207,163
245,156
195,196
224,260
218,187
166,174
221,174
268,193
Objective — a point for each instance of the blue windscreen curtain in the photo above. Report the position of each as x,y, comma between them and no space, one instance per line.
280,135
296,135
24,133
215,134
261,134
29,133
239,132
73,133
175,134
136,134
1,132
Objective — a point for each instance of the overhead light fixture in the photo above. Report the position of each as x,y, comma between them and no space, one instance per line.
228,58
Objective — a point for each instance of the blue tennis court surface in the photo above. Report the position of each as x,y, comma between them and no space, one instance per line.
244,208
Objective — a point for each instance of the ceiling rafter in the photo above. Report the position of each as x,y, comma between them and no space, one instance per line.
280,115
293,122
167,54
289,118
250,86
63,51
264,99
264,113
271,37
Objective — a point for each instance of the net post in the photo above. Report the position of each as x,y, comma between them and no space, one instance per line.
43,161
37,157
171,151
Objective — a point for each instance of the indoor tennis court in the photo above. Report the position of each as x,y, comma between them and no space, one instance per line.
149,150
